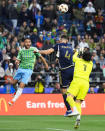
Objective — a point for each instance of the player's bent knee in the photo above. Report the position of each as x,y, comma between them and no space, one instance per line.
22,85
14,82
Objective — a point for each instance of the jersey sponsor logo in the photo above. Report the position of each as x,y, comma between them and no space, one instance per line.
2,100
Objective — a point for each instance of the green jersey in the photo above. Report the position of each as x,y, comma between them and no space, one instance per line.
28,58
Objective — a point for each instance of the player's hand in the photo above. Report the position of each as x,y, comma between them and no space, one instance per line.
82,50
17,62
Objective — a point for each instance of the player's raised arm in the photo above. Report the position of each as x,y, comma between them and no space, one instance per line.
77,52
44,61
45,52
75,56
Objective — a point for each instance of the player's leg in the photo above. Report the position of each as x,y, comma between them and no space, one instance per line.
70,99
63,85
18,93
64,94
78,105
77,122
67,77
80,97
16,78
84,87
71,92
25,74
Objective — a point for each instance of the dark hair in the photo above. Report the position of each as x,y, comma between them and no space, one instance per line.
87,55
64,37
26,37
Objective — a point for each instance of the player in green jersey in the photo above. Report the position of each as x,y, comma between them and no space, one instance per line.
26,60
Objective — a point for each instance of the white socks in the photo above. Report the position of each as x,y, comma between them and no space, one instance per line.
18,93
78,117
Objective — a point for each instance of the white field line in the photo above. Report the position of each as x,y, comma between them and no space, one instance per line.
7,121
54,129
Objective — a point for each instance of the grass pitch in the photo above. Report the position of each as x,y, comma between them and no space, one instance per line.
50,123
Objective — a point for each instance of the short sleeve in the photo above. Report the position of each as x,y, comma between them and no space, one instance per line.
37,54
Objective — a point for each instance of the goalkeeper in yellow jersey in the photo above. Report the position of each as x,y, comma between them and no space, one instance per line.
80,84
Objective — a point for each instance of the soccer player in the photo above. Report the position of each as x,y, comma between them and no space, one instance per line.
26,60
80,84
64,53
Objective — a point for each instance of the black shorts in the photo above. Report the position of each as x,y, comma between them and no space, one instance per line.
66,76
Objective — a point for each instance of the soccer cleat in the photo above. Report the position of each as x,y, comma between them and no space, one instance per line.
68,112
10,103
77,124
74,113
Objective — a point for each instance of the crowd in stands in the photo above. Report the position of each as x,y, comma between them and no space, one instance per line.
84,24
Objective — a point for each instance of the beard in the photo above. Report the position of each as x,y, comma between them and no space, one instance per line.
27,46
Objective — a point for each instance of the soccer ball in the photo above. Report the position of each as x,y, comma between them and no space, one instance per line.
63,8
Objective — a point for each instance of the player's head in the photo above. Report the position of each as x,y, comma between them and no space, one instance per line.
27,42
64,39
87,55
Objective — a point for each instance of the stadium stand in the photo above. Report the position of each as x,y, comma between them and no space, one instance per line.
42,21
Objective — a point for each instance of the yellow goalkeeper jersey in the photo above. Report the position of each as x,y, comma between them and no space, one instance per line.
82,68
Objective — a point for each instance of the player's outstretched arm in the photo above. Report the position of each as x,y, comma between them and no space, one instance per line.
44,61
45,52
